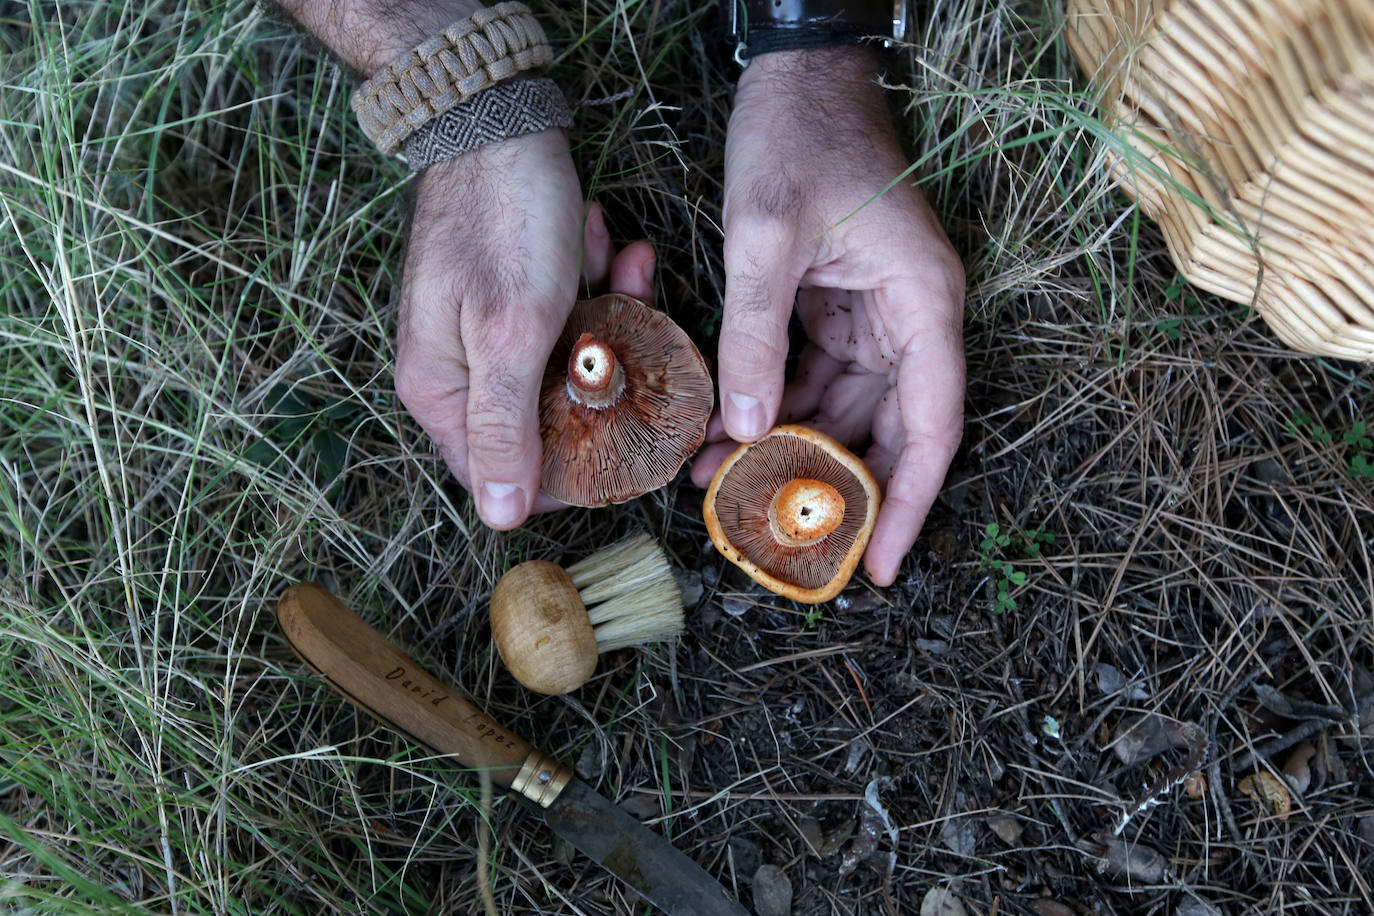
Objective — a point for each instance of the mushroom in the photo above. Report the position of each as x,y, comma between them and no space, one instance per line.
794,510
624,403
550,624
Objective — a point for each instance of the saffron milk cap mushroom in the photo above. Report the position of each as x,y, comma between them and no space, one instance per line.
623,405
794,510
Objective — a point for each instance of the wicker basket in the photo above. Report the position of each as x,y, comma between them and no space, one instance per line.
1247,132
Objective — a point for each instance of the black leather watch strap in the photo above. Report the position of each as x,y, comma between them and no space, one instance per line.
863,17
760,26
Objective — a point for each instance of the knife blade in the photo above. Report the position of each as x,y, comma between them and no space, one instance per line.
374,675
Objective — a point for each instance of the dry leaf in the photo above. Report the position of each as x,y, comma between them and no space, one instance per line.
940,901
1266,789
1134,860
875,820
1111,681
1151,735
959,836
1196,908
1008,829
1043,907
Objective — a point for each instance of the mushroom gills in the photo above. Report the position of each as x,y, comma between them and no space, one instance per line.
794,510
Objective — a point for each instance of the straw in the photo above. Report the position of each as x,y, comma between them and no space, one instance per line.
1262,111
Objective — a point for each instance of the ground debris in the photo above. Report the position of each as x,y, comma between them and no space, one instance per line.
1127,859
1150,735
1291,708
1111,681
874,822
940,901
959,836
772,891
1007,828
1046,907
1265,788
1297,770
1147,736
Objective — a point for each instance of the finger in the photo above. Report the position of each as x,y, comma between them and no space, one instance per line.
816,369
846,410
509,348
760,285
709,459
929,402
431,367
632,271
597,249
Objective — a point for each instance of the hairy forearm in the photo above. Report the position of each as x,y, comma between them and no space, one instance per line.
369,34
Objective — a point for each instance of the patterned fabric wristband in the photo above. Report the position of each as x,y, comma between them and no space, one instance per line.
493,44
508,109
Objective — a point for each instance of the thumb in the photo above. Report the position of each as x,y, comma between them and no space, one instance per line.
506,365
760,286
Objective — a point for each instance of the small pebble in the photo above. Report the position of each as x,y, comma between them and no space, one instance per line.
735,607
744,855
772,892
690,584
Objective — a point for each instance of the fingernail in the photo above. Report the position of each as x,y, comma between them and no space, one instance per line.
501,504
597,223
649,266
745,418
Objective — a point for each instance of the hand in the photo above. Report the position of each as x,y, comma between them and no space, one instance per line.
496,246
809,217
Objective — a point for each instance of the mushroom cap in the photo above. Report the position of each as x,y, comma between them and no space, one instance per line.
596,456
743,492
541,628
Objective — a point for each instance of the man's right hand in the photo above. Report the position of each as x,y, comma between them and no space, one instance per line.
498,240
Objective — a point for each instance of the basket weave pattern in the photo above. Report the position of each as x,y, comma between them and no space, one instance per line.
1248,132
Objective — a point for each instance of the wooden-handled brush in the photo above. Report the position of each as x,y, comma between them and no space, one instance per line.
550,624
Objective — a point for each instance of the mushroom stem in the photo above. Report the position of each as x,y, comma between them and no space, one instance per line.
804,511
595,376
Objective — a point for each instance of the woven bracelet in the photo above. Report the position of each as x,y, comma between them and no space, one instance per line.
508,109
493,44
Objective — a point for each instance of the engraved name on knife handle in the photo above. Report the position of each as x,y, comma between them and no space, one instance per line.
359,663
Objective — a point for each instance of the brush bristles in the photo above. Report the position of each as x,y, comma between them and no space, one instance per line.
630,593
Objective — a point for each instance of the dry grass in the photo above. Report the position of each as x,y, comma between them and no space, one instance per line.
199,254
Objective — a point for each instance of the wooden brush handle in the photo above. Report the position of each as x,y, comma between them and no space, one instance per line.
358,662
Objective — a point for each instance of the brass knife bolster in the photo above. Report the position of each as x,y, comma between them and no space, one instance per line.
541,779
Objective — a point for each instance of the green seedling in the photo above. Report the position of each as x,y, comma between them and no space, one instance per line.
1356,442
1008,576
297,419
994,559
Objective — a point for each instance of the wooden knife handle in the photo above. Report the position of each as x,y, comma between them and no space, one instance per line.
359,663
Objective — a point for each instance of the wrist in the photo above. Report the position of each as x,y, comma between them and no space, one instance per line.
369,34
851,68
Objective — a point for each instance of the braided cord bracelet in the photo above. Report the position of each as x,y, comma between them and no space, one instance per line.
509,109
472,55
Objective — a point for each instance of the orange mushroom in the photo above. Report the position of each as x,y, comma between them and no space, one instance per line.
624,403
795,511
